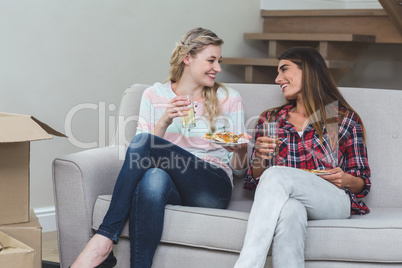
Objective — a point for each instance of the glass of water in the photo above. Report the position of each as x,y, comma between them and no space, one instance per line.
271,131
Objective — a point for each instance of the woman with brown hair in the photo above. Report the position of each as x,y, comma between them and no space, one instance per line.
318,130
167,163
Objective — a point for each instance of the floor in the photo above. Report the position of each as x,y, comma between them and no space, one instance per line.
50,252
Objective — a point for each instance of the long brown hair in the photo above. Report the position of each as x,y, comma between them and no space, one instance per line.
193,42
319,90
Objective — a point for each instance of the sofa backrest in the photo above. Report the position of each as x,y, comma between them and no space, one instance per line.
379,109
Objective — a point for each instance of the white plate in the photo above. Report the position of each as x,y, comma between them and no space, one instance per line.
240,141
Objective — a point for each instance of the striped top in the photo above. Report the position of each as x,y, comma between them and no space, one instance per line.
154,102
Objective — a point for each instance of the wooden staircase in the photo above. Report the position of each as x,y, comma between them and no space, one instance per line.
341,36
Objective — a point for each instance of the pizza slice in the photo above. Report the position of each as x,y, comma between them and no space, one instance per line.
224,137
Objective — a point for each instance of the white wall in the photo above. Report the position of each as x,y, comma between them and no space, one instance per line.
318,4
57,54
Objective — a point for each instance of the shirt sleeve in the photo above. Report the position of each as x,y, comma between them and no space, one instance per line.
146,117
354,157
250,183
235,123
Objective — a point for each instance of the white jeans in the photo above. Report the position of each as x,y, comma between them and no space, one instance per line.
285,198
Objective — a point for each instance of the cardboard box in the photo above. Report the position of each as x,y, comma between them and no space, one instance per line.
29,233
15,254
16,133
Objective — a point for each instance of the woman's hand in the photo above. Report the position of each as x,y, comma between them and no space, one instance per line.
265,146
344,180
175,108
337,177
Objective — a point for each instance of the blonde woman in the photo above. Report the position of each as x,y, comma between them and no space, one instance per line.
168,164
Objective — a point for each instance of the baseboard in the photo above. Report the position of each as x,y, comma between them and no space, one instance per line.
49,264
47,218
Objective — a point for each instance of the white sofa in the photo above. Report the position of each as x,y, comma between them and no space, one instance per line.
205,238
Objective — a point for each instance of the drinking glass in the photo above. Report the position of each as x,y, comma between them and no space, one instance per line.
271,130
188,121
325,152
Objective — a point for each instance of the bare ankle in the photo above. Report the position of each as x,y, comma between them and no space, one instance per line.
96,251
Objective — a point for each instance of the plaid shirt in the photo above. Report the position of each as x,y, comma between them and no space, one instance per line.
294,152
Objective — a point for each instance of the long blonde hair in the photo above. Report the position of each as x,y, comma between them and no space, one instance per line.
193,42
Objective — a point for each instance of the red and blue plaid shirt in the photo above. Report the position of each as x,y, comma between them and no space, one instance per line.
295,151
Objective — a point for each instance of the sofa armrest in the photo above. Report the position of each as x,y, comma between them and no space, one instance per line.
78,180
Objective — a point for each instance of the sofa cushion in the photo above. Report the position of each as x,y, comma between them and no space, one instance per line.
210,224
336,240
374,237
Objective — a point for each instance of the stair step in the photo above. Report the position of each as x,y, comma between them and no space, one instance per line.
332,64
338,37
325,13
251,61
349,21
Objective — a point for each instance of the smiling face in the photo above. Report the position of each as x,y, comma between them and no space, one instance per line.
290,79
205,65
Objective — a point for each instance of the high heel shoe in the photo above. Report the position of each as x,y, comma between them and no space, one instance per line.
109,262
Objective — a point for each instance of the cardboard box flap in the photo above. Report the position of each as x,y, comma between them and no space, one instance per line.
48,129
8,242
19,128
15,253
29,233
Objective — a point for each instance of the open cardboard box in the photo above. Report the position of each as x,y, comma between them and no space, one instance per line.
29,233
16,133
15,254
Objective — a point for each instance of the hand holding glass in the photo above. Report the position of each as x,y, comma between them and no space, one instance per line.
188,120
271,131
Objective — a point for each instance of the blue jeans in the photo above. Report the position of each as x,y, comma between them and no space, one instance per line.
155,173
